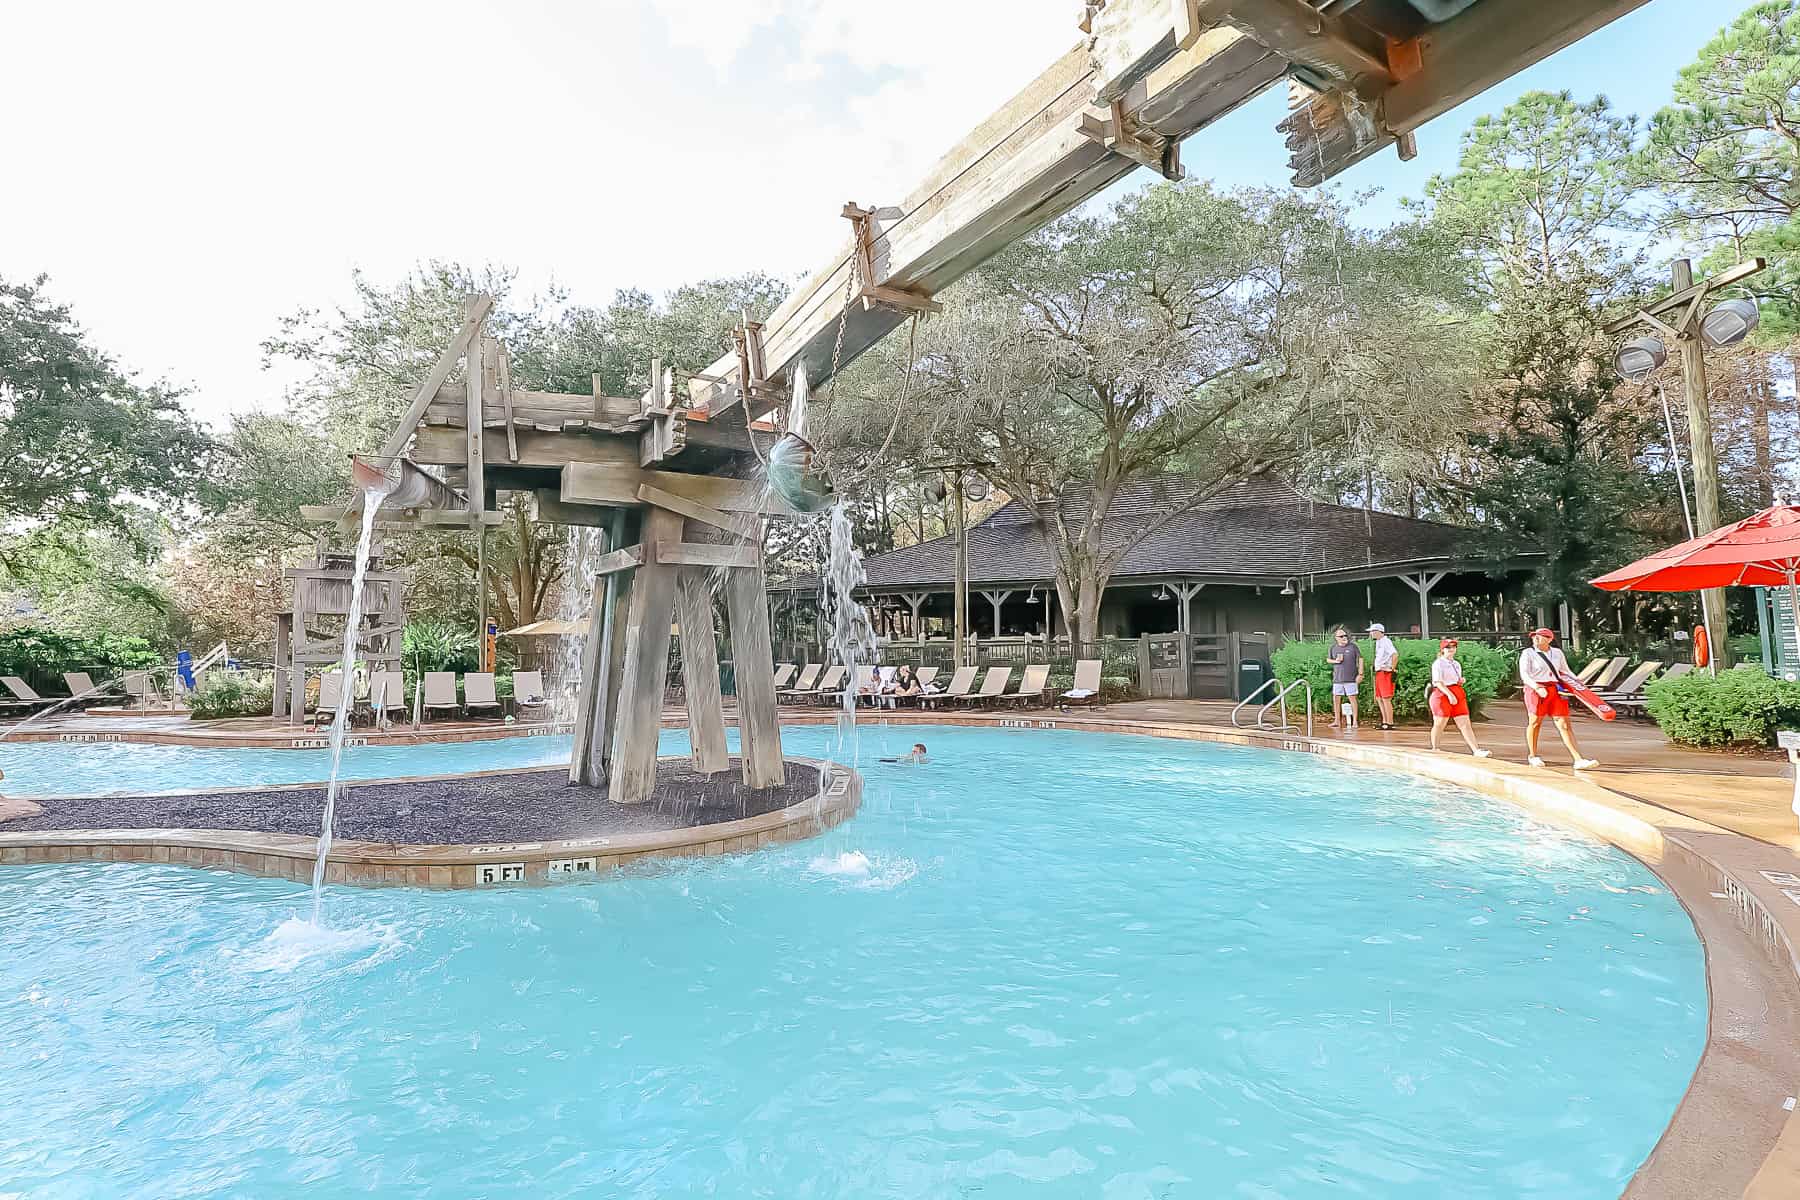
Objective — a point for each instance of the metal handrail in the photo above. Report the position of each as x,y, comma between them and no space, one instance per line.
1281,699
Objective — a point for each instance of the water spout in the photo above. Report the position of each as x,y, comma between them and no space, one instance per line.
376,487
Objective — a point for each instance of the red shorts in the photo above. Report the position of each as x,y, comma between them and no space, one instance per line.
1447,709
1554,705
1384,685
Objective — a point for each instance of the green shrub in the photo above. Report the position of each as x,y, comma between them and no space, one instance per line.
436,646
40,656
1483,670
225,694
1738,707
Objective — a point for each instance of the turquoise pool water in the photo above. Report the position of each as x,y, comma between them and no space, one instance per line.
98,768
1045,964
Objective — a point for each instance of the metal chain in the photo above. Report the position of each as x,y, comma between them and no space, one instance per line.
837,351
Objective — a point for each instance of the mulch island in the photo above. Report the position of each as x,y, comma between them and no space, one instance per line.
518,805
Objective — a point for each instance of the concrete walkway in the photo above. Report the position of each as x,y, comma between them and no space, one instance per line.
1746,793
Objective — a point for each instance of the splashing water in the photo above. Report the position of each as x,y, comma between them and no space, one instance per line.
852,635
340,721
577,599
795,421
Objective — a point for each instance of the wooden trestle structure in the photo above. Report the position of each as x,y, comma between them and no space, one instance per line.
665,474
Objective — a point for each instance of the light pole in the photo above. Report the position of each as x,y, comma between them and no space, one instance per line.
963,487
1726,324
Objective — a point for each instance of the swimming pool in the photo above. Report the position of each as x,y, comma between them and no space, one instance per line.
1044,964
102,768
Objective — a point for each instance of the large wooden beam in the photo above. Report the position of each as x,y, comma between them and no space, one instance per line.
1487,43
703,554
652,610
700,675
474,315
1025,165
446,446
613,483
746,528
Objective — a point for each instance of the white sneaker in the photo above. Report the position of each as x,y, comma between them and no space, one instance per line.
1536,761
1484,754
1586,764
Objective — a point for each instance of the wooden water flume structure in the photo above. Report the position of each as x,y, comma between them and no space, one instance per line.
668,475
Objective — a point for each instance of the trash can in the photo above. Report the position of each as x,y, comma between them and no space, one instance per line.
1252,674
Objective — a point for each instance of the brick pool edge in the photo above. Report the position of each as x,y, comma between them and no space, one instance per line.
380,864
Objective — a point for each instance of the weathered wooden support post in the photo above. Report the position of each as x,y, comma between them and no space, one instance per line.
602,663
759,721
700,673
649,615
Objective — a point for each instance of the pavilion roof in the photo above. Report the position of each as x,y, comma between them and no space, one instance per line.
1262,530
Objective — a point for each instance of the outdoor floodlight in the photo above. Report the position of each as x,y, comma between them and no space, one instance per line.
1637,358
1730,323
1287,588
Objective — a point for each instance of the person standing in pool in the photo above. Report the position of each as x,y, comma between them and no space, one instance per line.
1542,669
1447,699
1387,661
1345,657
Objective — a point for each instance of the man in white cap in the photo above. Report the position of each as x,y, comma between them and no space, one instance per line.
1543,671
1387,659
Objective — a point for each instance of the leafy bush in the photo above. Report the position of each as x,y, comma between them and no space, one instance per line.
1484,668
1739,707
436,646
225,694
40,656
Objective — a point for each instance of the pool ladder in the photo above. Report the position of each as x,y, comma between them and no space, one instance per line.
1280,699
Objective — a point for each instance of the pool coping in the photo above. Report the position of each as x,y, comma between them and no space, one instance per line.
1718,1143
379,864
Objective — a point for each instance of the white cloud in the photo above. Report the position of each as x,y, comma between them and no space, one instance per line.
196,171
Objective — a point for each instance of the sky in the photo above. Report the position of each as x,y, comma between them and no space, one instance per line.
188,173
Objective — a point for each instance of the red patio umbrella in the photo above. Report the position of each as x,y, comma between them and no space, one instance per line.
1762,550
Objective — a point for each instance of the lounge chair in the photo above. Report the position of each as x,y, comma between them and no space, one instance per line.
1639,705
924,675
1632,686
1588,672
141,688
960,683
1609,675
478,693
23,694
783,673
528,691
808,683
860,680
81,687
993,686
387,692
331,695
831,685
440,692
874,685
1031,688
1086,691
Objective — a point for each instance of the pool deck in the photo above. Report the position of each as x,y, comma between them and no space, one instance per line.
1718,828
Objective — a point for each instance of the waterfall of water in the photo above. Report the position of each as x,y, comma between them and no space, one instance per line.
576,608
796,407
852,634
340,720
